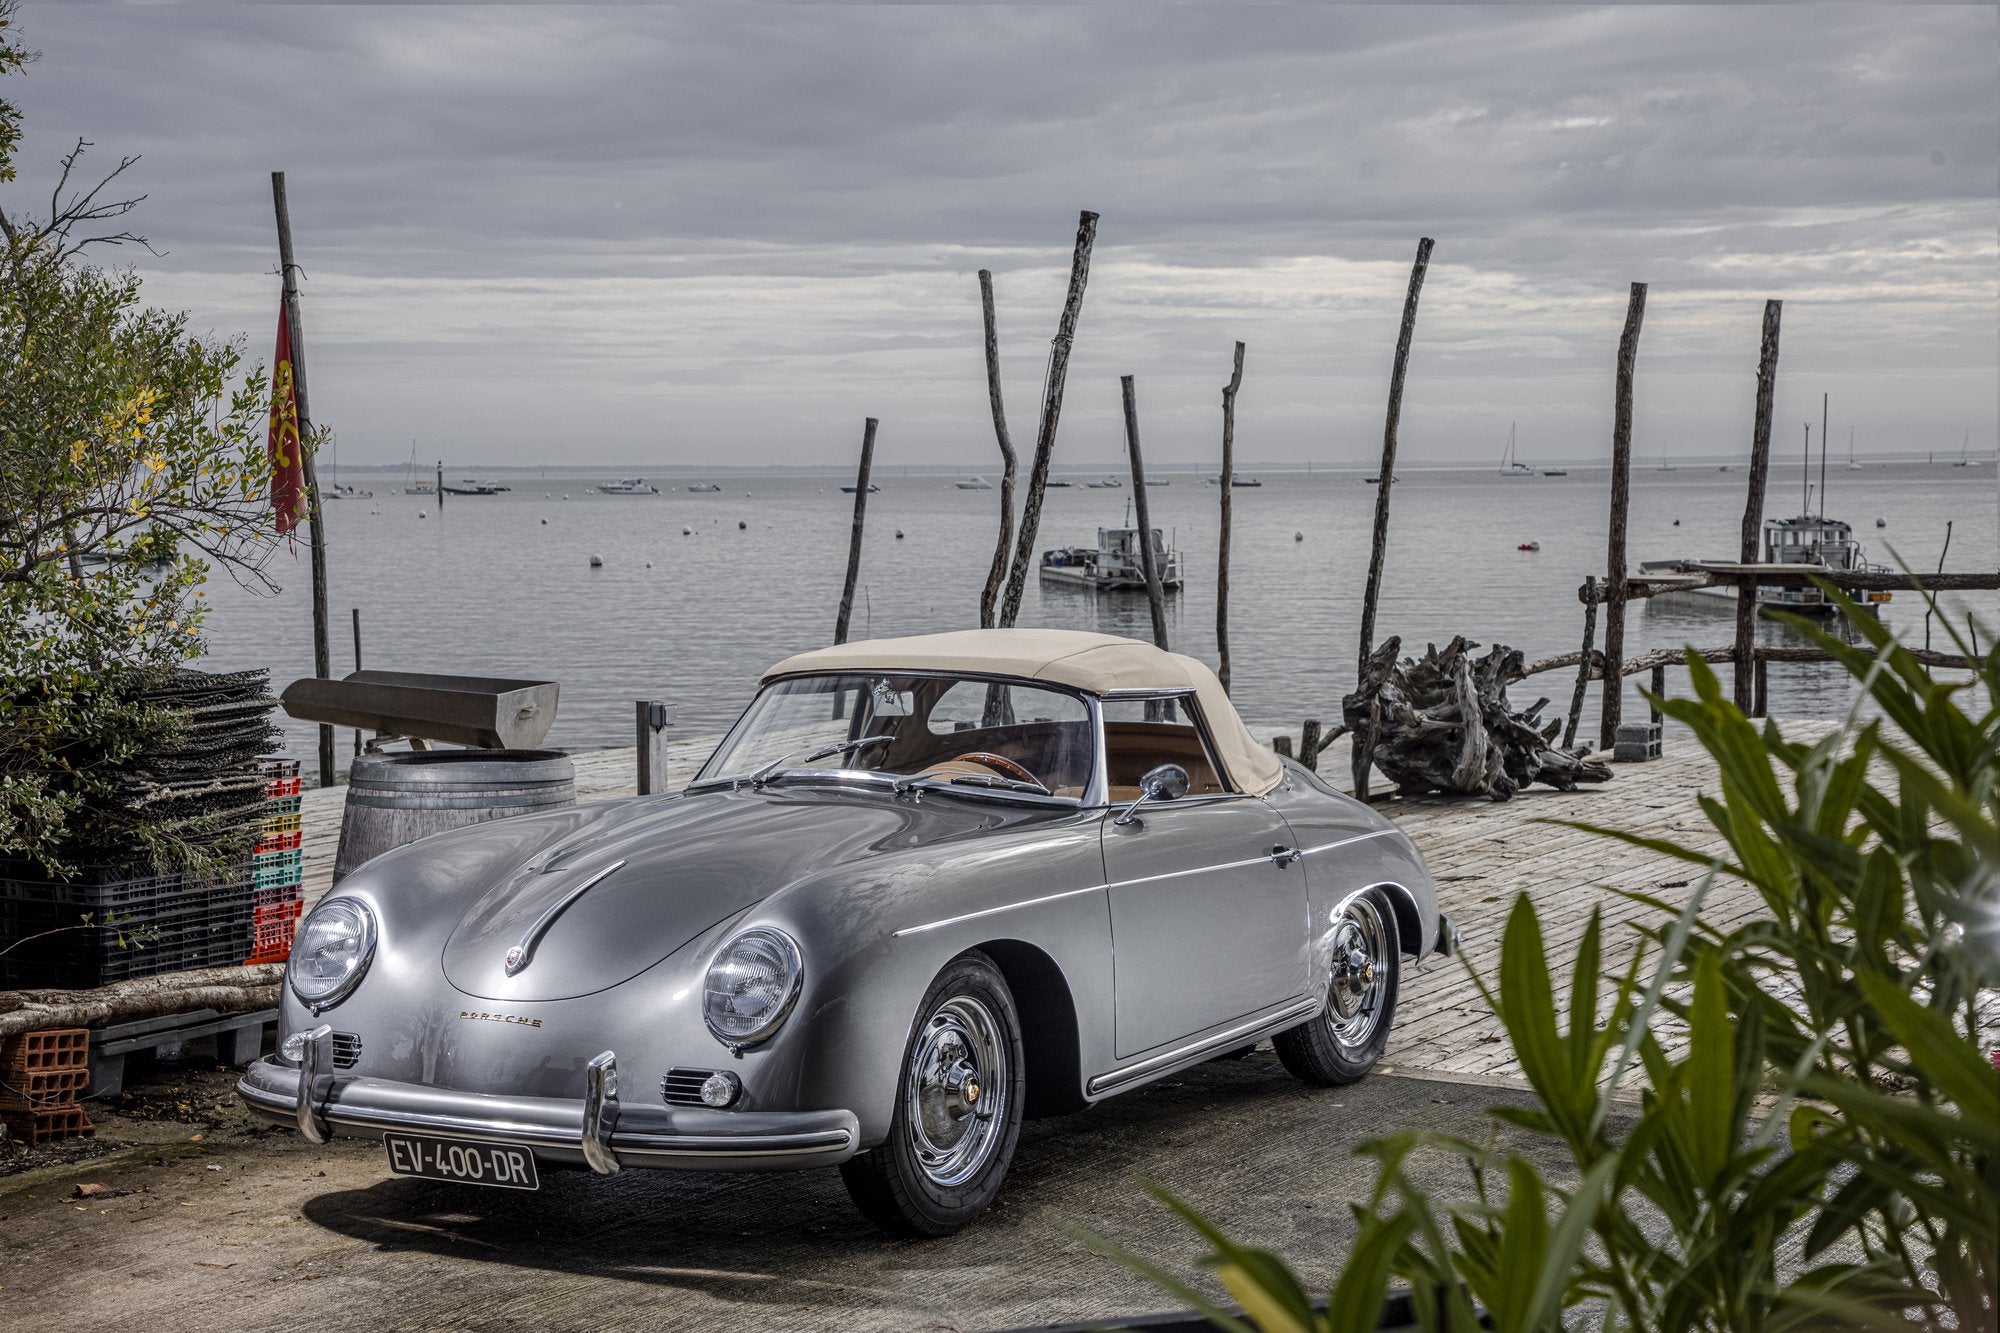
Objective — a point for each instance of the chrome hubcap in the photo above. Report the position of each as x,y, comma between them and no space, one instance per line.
956,1090
1360,973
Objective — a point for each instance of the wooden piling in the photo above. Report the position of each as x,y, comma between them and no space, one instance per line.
989,597
1583,665
854,541
357,666
1222,543
1659,693
1364,745
653,718
1760,704
440,486
316,531
1155,595
1612,710
1283,745
1309,743
1753,507
1045,437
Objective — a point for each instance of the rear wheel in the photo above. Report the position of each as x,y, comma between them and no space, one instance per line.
958,1109
1346,1038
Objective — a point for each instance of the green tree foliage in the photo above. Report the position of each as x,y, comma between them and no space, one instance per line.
1830,1092
131,460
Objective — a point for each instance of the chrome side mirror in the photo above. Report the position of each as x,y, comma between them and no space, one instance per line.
1168,782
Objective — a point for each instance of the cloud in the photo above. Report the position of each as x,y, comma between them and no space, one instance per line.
674,231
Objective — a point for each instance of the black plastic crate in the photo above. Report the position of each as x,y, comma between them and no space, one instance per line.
206,927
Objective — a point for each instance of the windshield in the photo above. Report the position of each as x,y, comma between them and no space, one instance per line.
974,734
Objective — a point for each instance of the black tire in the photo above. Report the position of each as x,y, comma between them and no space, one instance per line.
1345,1039
936,1173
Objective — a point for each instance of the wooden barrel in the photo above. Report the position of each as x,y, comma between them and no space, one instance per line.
393,799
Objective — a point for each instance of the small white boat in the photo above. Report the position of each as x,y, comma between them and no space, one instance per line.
1106,484
974,484
473,486
1113,565
703,487
1056,484
629,486
340,492
873,489
1159,481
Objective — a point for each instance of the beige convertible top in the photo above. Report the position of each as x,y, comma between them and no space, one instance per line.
1094,663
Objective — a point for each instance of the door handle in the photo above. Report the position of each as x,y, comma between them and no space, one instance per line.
1282,856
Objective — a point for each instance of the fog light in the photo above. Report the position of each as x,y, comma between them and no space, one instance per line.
720,1089
293,1048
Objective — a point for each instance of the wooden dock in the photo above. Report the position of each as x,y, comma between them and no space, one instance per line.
1481,853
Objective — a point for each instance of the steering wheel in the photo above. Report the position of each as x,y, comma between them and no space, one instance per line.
1004,766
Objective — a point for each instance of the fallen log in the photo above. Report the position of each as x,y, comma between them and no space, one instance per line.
223,989
1442,722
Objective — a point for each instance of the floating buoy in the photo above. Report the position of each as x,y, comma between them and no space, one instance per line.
649,564
899,534
597,562
746,492
565,495
423,513
545,523
687,532
1677,522
1298,536
1881,522
545,495
741,525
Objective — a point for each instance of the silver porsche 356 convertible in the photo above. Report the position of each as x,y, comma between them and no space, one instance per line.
925,887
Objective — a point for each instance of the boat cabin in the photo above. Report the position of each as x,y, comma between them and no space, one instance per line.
1113,564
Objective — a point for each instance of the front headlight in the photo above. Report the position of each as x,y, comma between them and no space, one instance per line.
332,951
751,986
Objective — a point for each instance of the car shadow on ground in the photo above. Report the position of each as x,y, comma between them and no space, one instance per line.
1238,1136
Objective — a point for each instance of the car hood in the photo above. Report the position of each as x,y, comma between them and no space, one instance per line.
600,906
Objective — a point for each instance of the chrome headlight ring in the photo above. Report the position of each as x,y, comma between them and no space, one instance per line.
332,952
750,987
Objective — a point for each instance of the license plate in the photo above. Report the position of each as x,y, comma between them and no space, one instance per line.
462,1161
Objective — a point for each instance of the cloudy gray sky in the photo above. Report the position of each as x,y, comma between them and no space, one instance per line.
677,235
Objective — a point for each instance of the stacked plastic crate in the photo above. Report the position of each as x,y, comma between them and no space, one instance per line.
42,1074
277,866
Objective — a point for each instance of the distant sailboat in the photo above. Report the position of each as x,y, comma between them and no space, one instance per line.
1665,466
1852,466
411,486
1965,458
1509,465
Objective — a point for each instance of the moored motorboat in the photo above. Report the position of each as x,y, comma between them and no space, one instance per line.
974,484
1114,564
629,486
1806,544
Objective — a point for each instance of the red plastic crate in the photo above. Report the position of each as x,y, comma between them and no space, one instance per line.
50,1048
279,842
274,928
282,787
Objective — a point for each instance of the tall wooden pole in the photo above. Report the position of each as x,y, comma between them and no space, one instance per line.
1222,543
854,541
1045,438
1155,595
1612,710
322,650
1753,508
1364,745
1590,600
989,597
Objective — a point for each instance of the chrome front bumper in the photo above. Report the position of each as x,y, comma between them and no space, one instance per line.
597,1131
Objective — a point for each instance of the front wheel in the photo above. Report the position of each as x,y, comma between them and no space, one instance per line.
958,1109
1346,1038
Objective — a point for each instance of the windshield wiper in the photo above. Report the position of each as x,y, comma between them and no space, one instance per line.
764,774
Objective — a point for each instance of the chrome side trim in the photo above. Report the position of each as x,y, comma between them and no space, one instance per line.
1256,1027
523,953
1348,842
600,1110
775,1145
994,911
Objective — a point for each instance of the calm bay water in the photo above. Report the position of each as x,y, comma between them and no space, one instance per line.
502,585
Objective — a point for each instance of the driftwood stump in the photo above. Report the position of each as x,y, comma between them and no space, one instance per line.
1422,740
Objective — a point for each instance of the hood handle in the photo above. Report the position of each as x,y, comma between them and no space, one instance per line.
521,954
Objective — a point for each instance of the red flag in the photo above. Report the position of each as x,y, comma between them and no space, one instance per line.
288,468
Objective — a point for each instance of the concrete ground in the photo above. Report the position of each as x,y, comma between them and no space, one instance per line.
232,1225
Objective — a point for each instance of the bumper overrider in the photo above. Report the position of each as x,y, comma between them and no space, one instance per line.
596,1131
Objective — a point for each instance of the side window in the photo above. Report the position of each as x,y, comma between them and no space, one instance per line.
1141,734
